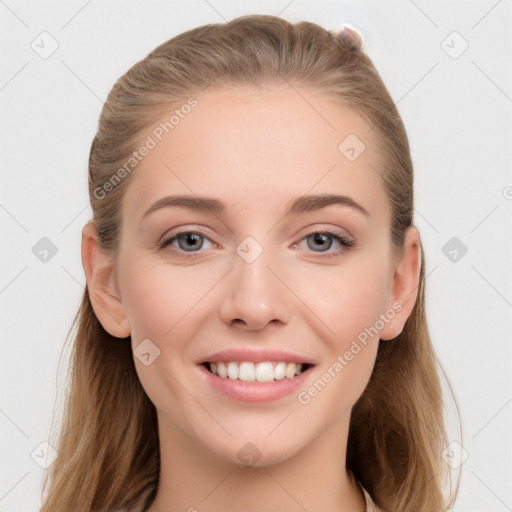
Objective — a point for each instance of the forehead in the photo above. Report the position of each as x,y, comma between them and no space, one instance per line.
260,146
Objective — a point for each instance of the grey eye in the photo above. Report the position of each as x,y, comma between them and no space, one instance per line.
192,241
319,240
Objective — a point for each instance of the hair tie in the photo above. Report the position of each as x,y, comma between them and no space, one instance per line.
350,38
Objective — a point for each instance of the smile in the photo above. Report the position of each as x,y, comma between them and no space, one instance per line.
262,371
255,381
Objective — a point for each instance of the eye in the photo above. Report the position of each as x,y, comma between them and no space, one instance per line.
322,241
187,242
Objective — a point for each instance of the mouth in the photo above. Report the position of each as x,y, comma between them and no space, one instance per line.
256,371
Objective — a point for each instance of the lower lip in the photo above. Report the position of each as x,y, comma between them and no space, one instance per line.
254,391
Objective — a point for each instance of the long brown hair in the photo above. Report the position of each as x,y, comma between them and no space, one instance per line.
108,451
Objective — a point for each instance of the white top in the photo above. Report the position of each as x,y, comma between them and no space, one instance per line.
370,505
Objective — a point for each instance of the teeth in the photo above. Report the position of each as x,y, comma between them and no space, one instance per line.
280,371
256,372
264,372
233,370
222,371
291,368
247,372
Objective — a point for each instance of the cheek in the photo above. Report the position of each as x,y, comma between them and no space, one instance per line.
349,303
152,308
346,299
158,300
161,305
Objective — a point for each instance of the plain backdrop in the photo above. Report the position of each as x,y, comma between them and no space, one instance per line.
447,66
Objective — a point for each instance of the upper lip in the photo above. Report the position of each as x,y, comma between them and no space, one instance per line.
256,355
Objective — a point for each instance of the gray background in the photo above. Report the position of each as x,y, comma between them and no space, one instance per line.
456,106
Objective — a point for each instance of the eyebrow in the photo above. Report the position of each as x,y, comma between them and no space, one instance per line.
302,204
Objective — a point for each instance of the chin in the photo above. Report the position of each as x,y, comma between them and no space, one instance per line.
256,451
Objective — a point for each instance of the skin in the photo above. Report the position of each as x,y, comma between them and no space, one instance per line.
256,150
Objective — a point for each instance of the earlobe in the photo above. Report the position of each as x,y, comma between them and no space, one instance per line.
102,287
404,286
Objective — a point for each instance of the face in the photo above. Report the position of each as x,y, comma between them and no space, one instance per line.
266,283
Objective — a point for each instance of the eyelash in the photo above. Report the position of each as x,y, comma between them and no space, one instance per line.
344,242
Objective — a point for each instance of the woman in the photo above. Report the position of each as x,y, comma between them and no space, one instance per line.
252,335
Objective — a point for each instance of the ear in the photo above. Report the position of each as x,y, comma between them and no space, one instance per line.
102,287
404,286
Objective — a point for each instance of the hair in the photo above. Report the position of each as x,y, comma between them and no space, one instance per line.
108,448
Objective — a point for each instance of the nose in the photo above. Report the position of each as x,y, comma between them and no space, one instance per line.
254,296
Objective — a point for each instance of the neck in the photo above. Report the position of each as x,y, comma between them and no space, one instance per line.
195,479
